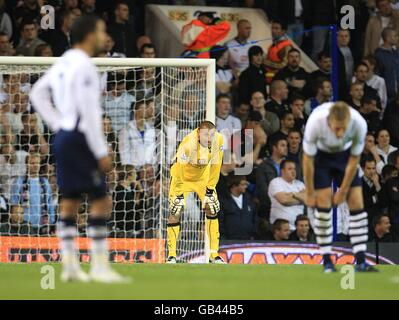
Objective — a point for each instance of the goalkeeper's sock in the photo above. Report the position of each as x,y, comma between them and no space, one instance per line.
212,229
67,232
99,255
173,230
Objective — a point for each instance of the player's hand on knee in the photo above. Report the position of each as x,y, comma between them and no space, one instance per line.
340,197
176,205
211,200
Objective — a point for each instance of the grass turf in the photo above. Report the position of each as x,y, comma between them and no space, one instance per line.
182,281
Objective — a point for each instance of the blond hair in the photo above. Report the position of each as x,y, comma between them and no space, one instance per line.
340,111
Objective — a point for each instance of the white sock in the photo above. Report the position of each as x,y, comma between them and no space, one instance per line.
324,230
67,232
358,231
99,248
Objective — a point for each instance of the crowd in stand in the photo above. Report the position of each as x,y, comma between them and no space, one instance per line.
264,97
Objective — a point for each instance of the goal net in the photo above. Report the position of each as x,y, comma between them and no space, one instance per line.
149,106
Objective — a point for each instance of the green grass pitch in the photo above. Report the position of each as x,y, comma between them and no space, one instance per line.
183,281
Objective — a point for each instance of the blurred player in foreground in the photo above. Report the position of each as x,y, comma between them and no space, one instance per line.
334,139
80,149
197,169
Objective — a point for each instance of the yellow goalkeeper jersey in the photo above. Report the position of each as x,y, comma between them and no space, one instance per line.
198,164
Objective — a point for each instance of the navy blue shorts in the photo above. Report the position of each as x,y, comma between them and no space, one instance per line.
330,167
77,168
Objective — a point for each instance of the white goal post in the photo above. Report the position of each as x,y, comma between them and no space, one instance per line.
180,91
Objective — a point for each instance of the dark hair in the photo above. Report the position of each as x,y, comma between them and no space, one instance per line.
283,24
137,104
235,181
371,59
322,55
254,51
82,27
278,224
275,141
285,114
377,219
368,100
296,97
26,22
147,45
285,162
294,50
39,49
319,82
120,2
385,33
222,96
361,64
368,158
301,217
388,170
217,52
3,34
295,130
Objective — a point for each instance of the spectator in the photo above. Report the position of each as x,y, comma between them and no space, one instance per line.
345,63
291,13
253,78
224,75
6,48
225,122
88,6
127,197
29,39
111,137
30,10
122,31
361,72
278,96
293,74
381,231
247,144
371,151
287,123
376,82
370,113
324,63
137,141
60,39
391,120
295,149
270,122
69,5
16,225
386,17
242,112
5,20
384,147
323,89
239,46
302,232
33,194
267,171
287,195
356,95
141,41
117,104
387,56
109,49
202,33
277,54
371,189
297,106
238,220
31,139
148,50
392,192
44,50
281,230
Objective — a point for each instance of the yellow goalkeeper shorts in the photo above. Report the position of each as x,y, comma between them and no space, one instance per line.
178,188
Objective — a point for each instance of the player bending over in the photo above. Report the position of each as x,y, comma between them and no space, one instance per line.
68,99
334,140
197,169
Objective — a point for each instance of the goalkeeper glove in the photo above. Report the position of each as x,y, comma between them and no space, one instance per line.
211,199
176,205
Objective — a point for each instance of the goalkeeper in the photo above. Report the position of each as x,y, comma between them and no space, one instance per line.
196,169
